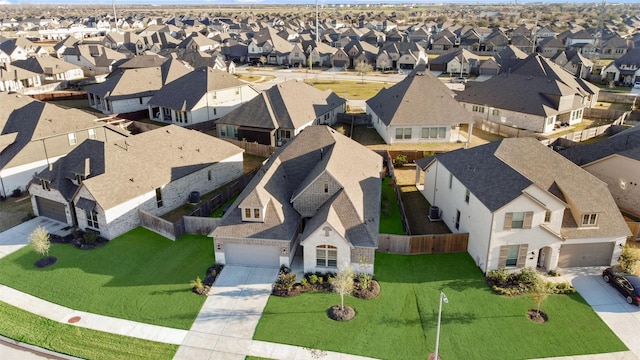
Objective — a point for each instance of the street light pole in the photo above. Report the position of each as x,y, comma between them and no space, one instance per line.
443,297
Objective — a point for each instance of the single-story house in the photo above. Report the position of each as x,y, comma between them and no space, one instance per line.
306,195
102,186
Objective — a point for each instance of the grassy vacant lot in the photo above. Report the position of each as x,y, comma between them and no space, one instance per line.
139,276
76,341
401,322
390,219
353,90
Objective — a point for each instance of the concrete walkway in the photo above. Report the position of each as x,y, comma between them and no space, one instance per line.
18,236
225,326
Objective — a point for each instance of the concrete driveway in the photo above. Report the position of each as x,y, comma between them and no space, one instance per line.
623,319
18,236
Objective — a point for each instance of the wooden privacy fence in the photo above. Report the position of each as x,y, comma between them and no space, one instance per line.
355,119
624,98
61,95
423,244
253,148
161,226
200,225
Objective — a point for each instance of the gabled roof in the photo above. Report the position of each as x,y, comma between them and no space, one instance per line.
45,65
287,105
142,61
419,99
353,210
498,172
186,91
128,83
625,143
456,53
125,169
516,92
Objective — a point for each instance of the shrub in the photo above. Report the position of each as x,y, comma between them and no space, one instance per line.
629,259
303,282
285,281
528,276
498,276
561,288
553,273
313,279
365,280
40,241
197,284
90,237
17,192
400,160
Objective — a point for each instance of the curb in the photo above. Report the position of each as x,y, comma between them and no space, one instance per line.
37,349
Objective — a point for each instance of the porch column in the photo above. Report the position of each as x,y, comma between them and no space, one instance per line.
470,133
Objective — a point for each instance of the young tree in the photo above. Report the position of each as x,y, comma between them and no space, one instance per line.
343,283
39,240
362,68
263,60
539,292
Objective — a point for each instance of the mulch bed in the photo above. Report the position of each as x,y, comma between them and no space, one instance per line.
370,293
338,314
212,274
78,241
537,317
44,262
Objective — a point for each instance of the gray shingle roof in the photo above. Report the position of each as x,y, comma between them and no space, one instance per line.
419,99
625,143
287,105
356,207
185,92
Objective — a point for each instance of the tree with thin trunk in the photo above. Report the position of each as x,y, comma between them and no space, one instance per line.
539,292
263,60
39,240
363,68
343,283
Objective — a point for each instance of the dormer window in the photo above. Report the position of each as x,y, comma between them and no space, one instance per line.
46,184
589,220
256,213
247,213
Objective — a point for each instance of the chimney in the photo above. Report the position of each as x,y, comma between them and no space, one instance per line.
87,167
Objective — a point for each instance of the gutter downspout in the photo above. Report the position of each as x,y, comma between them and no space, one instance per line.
486,264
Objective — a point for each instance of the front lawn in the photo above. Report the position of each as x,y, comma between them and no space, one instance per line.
85,343
401,322
352,90
139,276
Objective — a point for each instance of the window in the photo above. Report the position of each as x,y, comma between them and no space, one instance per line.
247,213
159,197
181,116
215,111
517,221
550,120
92,218
589,219
256,213
72,138
495,112
209,175
46,185
92,133
326,256
547,216
457,220
326,187
403,133
433,133
450,180
467,194
512,255
140,99
478,108
166,113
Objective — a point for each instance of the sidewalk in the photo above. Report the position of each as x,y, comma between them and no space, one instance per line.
18,236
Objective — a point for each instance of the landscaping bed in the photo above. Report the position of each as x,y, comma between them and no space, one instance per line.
401,322
139,276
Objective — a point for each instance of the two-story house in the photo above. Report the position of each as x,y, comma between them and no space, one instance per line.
524,205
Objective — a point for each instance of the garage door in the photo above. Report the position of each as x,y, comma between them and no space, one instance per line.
51,209
596,254
252,255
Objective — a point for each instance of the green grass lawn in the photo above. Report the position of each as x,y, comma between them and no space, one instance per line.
217,213
401,322
390,219
139,276
85,343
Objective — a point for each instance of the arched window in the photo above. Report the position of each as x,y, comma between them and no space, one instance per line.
326,256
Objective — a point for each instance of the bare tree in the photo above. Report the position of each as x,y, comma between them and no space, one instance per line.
362,68
539,292
343,283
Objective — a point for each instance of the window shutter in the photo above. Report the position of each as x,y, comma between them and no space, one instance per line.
507,221
528,217
502,260
522,255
